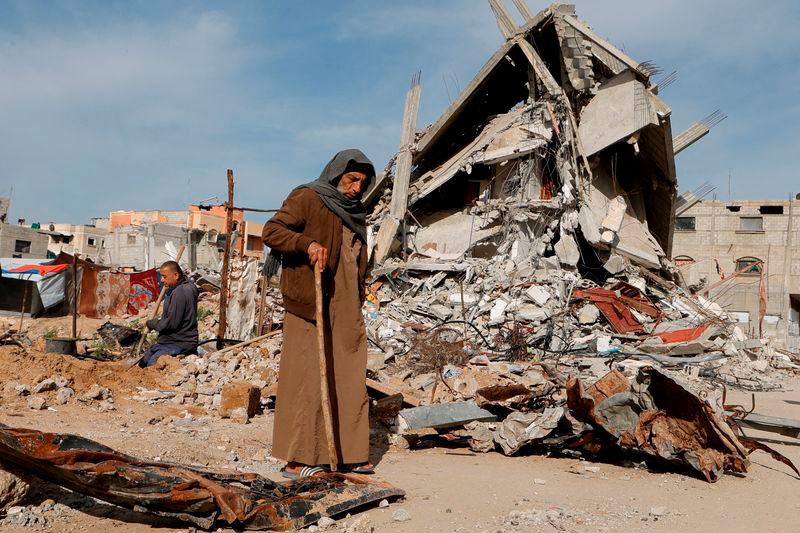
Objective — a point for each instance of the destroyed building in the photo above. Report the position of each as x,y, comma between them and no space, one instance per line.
560,147
533,222
744,256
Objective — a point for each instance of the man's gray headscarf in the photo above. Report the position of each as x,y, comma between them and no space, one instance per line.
352,212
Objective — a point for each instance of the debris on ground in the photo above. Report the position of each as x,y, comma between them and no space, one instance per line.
189,494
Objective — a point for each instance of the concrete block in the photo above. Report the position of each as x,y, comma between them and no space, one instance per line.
538,294
239,395
567,250
615,213
588,314
615,264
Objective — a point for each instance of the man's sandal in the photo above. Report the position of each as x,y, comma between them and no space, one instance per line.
363,469
306,471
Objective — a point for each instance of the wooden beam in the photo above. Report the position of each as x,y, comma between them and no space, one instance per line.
226,260
523,9
263,284
402,177
385,237
241,345
504,21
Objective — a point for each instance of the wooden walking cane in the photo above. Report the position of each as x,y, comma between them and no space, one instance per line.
137,355
323,371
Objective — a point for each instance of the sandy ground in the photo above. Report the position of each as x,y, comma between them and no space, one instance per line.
448,489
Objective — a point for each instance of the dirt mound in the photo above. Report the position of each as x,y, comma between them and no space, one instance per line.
25,366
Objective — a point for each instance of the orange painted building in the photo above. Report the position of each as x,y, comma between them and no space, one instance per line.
209,218
138,218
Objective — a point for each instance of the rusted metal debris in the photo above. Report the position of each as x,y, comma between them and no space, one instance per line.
616,308
659,417
198,496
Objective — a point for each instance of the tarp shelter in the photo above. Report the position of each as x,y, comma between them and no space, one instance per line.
40,284
106,292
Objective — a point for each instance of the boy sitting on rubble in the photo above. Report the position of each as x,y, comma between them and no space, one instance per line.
177,327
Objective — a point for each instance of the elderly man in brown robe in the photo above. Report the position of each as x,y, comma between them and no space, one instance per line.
323,224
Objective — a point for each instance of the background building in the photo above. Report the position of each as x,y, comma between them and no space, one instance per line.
22,242
747,252
87,241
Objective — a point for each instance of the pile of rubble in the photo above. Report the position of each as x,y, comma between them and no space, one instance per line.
58,390
202,380
524,237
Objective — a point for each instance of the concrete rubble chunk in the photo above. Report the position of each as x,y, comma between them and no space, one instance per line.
325,522
498,309
615,214
64,394
13,490
37,403
615,264
62,381
588,314
239,395
538,294
45,385
239,415
567,250
95,392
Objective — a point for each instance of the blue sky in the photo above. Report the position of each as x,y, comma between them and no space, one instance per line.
133,105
